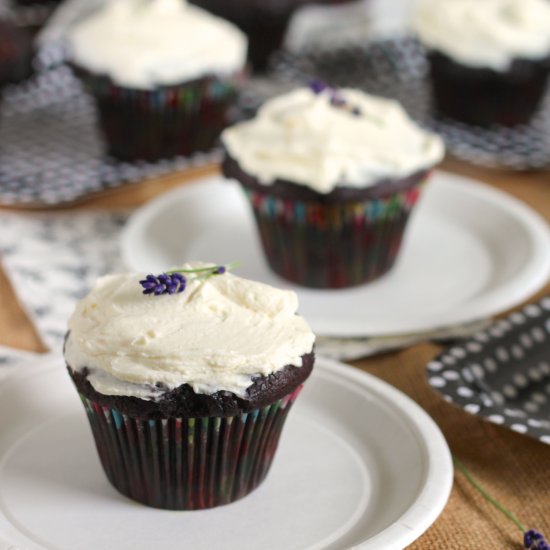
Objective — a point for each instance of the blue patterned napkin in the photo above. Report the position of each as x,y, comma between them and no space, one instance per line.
52,260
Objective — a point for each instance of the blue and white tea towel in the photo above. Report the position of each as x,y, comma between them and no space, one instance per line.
53,259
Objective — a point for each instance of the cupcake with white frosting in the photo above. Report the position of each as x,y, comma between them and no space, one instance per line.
264,21
489,59
332,176
164,75
187,379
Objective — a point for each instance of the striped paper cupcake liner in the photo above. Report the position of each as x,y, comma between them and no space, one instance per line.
332,245
166,122
187,463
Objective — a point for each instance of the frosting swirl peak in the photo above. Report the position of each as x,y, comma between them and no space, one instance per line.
148,43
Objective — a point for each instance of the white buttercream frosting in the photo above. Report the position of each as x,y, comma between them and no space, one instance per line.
303,138
146,43
217,335
485,33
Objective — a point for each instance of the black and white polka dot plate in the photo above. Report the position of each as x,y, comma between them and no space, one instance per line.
398,69
51,152
503,373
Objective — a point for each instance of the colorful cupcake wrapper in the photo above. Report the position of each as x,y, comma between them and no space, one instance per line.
163,123
187,463
332,245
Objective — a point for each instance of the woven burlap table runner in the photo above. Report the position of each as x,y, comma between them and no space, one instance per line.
513,468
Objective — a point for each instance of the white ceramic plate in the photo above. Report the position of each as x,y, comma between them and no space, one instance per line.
470,252
360,465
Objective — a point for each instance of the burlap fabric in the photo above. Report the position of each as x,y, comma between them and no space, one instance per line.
514,468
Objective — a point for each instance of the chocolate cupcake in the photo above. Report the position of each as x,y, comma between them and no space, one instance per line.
489,60
264,21
33,15
16,54
188,384
332,177
36,2
163,85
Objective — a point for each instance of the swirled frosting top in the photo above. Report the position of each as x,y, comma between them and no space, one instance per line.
330,138
485,33
217,335
148,43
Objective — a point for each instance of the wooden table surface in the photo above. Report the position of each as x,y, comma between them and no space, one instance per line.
513,467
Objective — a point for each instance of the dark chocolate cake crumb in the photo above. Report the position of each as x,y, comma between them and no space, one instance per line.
183,402
293,191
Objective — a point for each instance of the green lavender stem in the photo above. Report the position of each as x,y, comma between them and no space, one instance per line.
486,495
199,270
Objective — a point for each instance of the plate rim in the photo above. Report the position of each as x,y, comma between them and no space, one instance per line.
532,277
434,492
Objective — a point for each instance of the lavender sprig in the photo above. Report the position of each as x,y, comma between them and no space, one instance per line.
175,281
318,86
165,283
337,100
532,540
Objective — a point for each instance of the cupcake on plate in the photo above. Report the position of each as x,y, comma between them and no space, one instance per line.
332,176
164,75
187,379
489,59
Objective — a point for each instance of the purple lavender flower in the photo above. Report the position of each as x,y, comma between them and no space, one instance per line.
533,540
337,100
174,282
318,86
165,283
